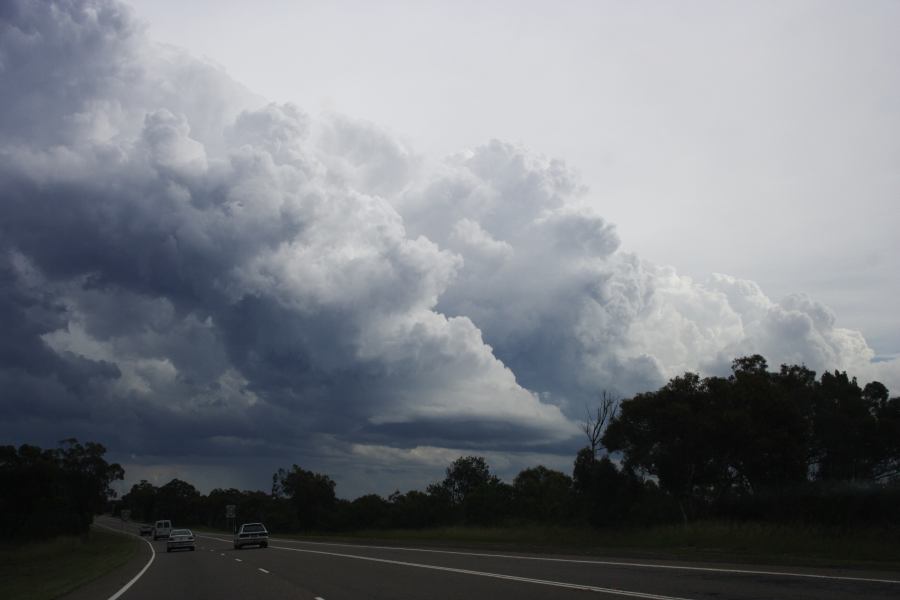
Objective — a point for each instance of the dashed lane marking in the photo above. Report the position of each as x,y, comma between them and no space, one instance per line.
238,560
263,570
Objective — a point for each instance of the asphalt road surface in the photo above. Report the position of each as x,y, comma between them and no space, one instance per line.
290,569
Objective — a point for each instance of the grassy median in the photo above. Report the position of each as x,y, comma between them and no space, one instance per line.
761,543
46,570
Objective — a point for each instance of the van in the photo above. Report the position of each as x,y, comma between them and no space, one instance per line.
162,529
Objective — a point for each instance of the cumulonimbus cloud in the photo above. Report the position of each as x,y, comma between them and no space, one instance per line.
181,260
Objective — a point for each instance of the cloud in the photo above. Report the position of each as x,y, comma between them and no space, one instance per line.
188,273
571,314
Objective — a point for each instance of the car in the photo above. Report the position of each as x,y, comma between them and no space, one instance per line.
251,534
146,530
161,529
180,539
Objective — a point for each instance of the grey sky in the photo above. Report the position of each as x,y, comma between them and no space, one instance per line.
756,139
369,242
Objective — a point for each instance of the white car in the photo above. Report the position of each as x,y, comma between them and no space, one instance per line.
161,529
251,534
180,539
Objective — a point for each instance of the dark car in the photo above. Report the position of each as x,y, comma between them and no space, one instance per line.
251,534
146,530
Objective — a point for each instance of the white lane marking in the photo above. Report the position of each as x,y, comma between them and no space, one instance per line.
562,584
238,560
318,598
263,570
128,585
598,562
222,554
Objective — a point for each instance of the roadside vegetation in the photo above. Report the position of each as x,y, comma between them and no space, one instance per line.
51,568
48,499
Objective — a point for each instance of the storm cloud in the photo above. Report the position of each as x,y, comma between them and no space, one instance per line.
195,276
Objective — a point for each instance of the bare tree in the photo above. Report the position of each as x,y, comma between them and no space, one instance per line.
595,422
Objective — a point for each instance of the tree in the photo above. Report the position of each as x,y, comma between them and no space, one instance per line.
887,465
846,429
367,512
179,501
472,492
464,476
605,493
89,476
311,494
542,494
417,509
51,492
676,435
714,441
769,418
141,501
594,423
33,499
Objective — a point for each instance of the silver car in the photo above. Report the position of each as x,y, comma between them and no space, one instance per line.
251,534
180,539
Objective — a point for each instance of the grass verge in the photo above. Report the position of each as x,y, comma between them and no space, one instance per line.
46,570
759,543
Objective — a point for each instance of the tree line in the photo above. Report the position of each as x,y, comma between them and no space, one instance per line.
765,445
45,493
757,445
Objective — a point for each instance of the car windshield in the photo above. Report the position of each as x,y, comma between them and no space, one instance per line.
181,532
254,528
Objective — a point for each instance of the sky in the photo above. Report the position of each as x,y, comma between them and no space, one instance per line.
370,238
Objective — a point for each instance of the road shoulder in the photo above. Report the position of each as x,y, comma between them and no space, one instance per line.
110,583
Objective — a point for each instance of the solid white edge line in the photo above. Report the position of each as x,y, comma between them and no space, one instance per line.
134,579
547,582
598,562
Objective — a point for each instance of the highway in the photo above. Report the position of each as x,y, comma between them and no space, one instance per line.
326,571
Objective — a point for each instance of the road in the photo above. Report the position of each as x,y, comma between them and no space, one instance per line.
290,569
